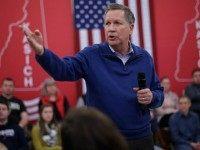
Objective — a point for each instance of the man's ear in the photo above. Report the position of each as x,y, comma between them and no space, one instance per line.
131,28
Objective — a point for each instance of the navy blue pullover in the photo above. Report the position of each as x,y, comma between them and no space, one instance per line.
110,83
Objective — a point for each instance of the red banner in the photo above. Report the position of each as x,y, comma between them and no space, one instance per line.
54,20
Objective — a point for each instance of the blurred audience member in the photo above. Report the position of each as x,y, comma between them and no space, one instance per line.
185,127
11,135
169,105
193,91
18,113
46,134
88,129
51,95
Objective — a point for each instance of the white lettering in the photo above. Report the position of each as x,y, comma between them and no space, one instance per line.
24,40
198,63
27,49
27,70
27,59
198,24
198,44
28,81
198,34
7,133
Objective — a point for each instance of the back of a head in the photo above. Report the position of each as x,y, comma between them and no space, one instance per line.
89,129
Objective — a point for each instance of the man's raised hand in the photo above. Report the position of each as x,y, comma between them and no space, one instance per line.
35,39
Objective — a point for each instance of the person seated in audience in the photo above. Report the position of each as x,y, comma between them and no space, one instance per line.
88,129
11,135
18,114
170,104
185,127
51,95
46,134
193,91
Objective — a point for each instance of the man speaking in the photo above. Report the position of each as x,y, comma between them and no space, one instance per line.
110,70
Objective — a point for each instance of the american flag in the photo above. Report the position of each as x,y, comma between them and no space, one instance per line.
88,19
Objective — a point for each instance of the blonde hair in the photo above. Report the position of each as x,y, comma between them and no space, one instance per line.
47,82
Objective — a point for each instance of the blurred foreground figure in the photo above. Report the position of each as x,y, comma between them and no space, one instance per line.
89,129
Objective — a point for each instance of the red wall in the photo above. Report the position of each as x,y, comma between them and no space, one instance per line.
175,41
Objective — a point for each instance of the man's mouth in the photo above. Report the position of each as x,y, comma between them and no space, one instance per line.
111,37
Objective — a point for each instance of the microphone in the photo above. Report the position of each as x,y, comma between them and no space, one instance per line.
142,85
141,80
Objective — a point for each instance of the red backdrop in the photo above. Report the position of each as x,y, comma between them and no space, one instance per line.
176,39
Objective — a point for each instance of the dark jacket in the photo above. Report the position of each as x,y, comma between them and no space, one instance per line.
12,136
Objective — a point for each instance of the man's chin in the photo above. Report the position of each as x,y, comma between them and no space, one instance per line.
112,43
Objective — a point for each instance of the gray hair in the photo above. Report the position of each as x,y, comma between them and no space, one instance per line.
129,16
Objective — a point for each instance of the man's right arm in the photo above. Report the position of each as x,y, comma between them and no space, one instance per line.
66,69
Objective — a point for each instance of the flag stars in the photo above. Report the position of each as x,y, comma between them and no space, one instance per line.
86,7
95,16
100,21
82,21
91,20
77,7
87,16
81,2
87,25
99,2
82,11
95,7
107,2
89,13
90,2
96,25
77,16
100,12
78,25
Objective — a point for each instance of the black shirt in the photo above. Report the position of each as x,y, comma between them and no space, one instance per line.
12,136
17,107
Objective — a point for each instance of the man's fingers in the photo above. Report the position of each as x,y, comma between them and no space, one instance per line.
38,33
144,100
135,89
26,30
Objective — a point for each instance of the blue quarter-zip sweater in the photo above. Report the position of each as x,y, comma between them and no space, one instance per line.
110,83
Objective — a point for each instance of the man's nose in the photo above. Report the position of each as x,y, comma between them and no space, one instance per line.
111,27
